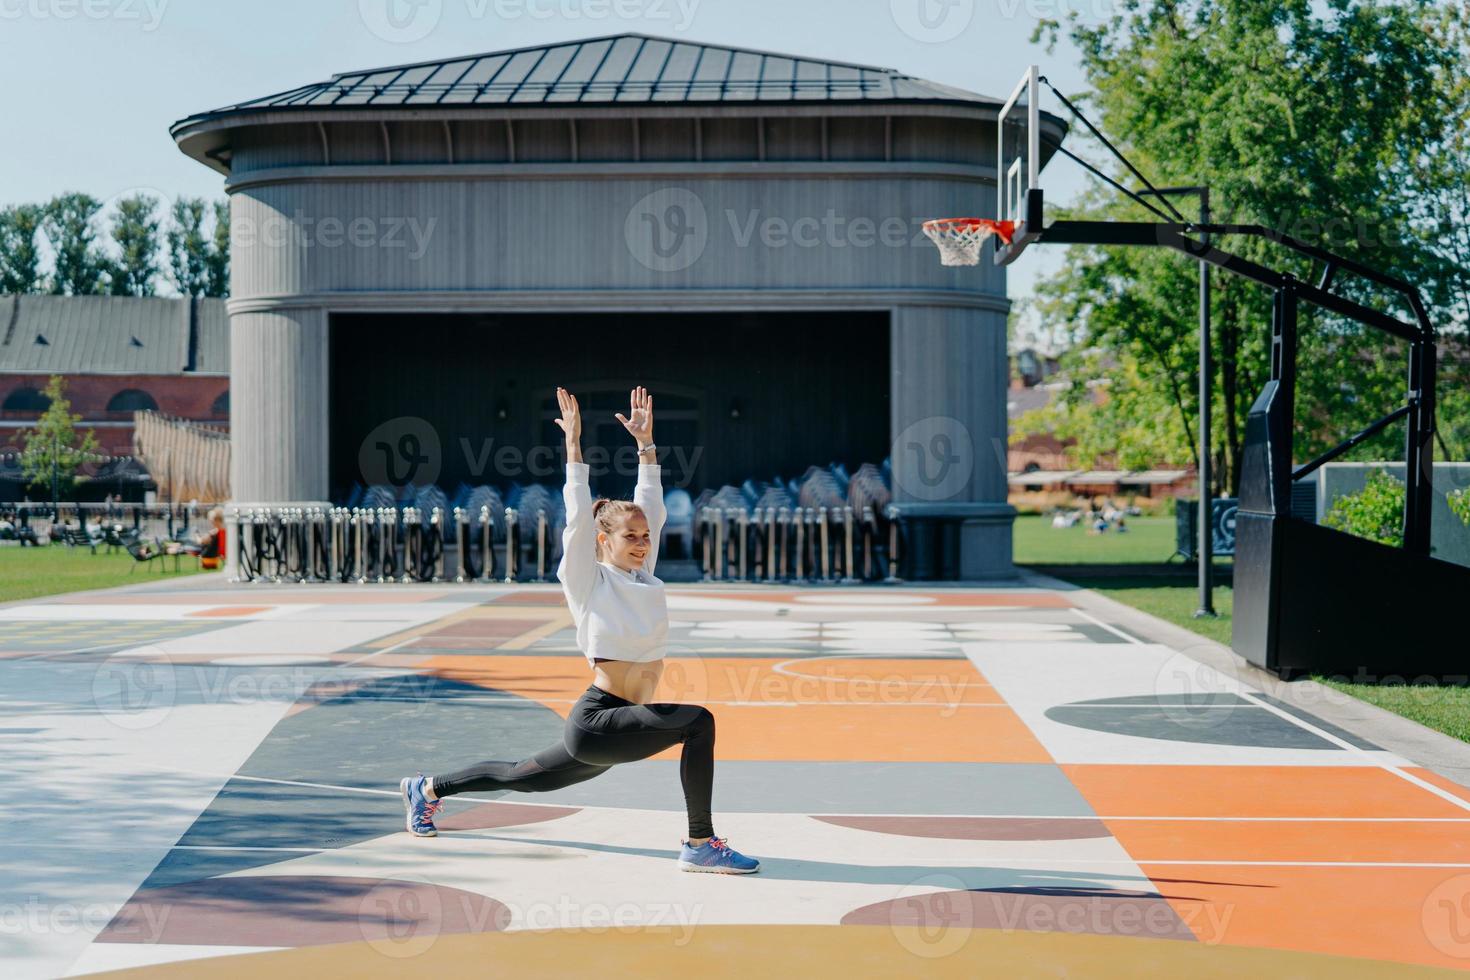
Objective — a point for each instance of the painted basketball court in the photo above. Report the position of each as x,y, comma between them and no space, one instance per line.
947,781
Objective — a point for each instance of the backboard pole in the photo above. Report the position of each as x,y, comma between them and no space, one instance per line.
1205,543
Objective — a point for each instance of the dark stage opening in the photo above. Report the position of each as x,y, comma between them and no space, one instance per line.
450,399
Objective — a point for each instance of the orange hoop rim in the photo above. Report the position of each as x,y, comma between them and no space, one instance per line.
1004,230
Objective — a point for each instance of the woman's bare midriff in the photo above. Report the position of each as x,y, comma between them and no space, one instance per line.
629,680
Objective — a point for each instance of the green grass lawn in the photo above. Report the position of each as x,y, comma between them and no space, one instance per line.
1148,539
1437,706
29,572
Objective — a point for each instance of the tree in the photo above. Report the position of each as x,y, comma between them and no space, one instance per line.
20,259
197,265
1308,117
79,267
54,447
135,232
218,262
1459,501
1376,512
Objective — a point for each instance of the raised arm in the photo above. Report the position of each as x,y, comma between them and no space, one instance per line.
649,494
578,569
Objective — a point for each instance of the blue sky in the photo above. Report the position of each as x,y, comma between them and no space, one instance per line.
91,86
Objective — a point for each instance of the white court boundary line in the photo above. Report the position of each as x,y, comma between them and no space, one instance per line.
780,668
1253,698
518,702
986,816
377,653
1107,626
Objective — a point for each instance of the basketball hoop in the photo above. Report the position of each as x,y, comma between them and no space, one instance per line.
959,239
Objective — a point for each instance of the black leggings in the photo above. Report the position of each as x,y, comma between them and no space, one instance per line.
601,731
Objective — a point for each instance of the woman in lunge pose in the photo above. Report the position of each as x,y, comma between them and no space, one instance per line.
609,550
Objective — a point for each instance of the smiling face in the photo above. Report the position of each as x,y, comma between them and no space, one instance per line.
629,543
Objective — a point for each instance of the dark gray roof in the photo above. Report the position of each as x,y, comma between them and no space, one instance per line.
113,335
624,68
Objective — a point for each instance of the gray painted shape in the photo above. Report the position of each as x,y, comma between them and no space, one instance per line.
1229,724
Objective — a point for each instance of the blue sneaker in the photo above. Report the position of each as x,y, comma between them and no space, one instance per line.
419,808
716,856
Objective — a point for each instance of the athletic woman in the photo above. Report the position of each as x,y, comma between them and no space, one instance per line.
609,550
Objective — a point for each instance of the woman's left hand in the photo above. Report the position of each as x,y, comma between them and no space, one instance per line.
640,425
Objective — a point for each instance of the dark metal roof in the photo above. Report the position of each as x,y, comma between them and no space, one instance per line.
620,69
112,335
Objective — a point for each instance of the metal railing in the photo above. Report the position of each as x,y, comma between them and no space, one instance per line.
409,544
385,544
798,544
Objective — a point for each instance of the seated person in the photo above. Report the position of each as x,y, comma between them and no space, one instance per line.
210,546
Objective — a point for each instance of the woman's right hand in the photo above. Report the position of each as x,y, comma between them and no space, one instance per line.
571,416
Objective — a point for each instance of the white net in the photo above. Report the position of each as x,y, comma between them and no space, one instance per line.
959,239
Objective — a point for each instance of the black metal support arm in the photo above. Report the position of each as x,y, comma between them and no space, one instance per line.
1419,448
1350,442
1176,236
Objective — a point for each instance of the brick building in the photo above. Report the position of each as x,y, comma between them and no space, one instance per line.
118,354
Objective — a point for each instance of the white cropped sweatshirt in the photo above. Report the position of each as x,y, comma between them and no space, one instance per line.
620,615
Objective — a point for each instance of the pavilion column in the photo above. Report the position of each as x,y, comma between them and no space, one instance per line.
949,447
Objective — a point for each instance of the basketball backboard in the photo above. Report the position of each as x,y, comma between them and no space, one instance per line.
1018,166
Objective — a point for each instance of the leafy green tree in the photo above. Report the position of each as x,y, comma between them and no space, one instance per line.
135,232
218,261
20,259
188,247
79,267
1306,117
1376,512
55,440
1459,501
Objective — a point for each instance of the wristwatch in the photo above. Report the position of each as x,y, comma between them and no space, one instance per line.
648,448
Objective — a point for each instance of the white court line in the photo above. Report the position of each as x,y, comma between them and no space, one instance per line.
1250,696
121,644
240,847
378,653
1443,794
539,702
780,668
827,813
1111,629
